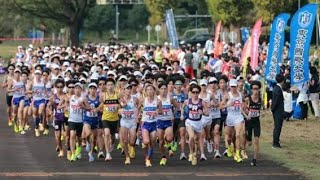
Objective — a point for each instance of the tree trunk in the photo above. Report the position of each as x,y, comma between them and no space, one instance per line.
75,31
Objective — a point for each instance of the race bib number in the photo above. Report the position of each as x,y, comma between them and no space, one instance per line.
76,111
128,115
254,113
92,114
111,108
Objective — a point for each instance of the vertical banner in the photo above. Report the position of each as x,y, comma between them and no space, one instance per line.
244,56
255,35
171,27
245,34
216,39
301,28
276,43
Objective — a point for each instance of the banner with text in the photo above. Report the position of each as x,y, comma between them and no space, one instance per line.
301,28
276,43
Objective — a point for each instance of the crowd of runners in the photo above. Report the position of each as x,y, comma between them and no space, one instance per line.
143,95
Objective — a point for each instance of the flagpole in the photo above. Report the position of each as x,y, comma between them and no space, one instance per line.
317,29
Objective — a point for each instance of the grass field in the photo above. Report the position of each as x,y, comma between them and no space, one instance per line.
300,142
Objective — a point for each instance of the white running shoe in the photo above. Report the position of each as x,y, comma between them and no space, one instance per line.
101,155
138,141
203,157
108,158
116,136
217,154
183,156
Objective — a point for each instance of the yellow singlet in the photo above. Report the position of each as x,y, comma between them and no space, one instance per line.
110,109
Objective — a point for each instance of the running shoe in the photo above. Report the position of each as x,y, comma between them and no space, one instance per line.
167,145
119,146
37,132
22,132
174,147
41,127
194,159
183,156
132,152
209,146
128,161
69,155
83,143
229,152
217,155
108,158
171,153
116,136
27,127
163,162
95,149
253,162
78,152
20,128
143,146
138,141
238,158
190,158
88,147
46,132
91,158
62,138
203,157
61,154
148,163
15,128
57,149
101,155
244,154
73,158
10,122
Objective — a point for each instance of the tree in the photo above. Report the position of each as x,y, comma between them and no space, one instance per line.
230,12
138,17
68,12
157,8
100,18
269,9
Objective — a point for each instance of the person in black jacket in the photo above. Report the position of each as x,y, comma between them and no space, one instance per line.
277,109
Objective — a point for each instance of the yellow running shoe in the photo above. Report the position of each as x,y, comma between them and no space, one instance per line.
73,158
132,152
163,162
37,132
69,155
62,138
119,146
194,159
229,152
148,163
128,161
46,132
190,158
244,154
20,128
238,158
15,128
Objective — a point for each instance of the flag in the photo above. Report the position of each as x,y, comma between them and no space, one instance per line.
276,44
245,34
216,39
301,28
244,57
171,27
255,35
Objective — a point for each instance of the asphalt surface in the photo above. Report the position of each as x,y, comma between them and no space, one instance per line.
28,157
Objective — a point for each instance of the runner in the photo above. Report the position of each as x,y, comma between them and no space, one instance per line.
152,107
128,122
196,108
235,120
56,101
48,111
7,79
90,119
18,90
253,121
110,105
164,123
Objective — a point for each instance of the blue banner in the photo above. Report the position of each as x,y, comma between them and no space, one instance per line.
301,28
245,33
171,27
276,44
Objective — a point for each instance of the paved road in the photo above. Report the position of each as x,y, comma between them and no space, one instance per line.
26,157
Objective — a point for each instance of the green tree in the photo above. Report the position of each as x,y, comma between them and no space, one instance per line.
138,17
157,8
230,12
71,13
269,9
100,19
